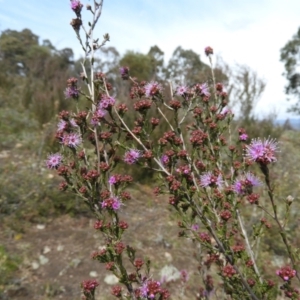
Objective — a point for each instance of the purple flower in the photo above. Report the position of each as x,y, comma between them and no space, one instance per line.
152,89
181,90
112,180
208,50
94,121
100,113
107,102
62,125
208,179
251,179
111,203
71,92
97,116
165,159
184,275
205,89
286,273
116,204
243,137
124,73
131,156
262,151
245,184
150,289
76,6
226,111
195,227
53,161
73,123
72,139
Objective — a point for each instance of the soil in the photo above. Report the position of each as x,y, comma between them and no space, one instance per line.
55,257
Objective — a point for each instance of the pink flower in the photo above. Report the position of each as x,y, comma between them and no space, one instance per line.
150,288
62,125
71,92
208,179
107,102
165,159
89,286
208,50
124,71
113,203
131,156
243,137
184,275
245,184
181,90
262,151
116,204
71,140
152,89
73,123
76,6
205,89
195,227
286,273
226,111
54,160
112,180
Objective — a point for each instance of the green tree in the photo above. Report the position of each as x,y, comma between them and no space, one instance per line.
290,56
140,65
33,75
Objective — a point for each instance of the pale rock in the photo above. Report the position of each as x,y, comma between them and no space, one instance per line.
35,265
93,274
60,248
43,259
75,262
111,279
168,256
40,226
169,273
46,250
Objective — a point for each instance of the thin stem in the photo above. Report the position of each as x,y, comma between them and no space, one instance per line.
249,249
140,142
282,233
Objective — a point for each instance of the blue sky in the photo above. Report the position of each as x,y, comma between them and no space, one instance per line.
243,32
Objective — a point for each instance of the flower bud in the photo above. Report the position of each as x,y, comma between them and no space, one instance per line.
289,200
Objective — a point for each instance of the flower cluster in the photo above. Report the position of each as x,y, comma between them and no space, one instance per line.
151,289
54,161
286,273
209,179
245,184
152,89
111,203
132,156
89,286
262,152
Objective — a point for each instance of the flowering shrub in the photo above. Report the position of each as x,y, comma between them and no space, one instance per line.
208,172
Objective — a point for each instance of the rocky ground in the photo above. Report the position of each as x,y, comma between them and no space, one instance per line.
54,258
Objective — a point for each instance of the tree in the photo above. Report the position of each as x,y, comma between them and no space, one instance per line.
157,60
185,66
14,46
33,75
244,88
290,56
140,65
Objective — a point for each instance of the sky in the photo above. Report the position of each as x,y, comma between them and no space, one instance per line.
244,32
